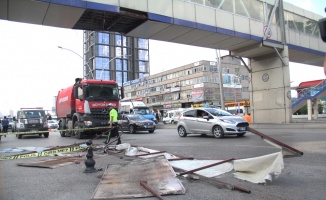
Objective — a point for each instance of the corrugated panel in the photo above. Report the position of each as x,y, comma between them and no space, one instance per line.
123,181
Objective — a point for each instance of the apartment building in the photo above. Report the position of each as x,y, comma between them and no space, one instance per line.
193,85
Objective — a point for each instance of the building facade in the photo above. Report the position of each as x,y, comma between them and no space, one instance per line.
192,85
113,56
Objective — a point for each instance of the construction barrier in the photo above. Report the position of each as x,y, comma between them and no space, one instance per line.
56,130
48,152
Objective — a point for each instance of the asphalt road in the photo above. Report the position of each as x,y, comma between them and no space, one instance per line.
302,178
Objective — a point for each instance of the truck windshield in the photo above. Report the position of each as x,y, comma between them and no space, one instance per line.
101,92
142,111
33,114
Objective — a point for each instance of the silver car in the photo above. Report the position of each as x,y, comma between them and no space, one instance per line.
211,121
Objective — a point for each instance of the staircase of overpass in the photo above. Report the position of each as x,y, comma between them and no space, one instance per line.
317,92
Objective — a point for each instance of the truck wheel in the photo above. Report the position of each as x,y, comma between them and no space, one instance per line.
46,135
20,136
62,133
151,131
78,134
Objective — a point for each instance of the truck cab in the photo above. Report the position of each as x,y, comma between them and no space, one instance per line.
31,120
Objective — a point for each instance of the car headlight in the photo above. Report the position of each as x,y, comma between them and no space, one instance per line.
88,123
228,121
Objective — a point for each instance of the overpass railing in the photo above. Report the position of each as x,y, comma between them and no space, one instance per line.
258,10
310,93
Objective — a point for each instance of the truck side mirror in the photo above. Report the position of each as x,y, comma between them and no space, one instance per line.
76,92
322,28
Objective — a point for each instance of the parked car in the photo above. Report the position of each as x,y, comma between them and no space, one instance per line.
136,122
212,121
53,124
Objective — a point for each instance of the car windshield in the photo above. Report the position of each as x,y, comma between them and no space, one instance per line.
142,111
218,112
136,117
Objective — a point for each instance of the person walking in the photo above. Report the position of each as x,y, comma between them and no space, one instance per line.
5,124
157,116
113,121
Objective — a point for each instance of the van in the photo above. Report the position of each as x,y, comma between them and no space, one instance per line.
240,111
172,116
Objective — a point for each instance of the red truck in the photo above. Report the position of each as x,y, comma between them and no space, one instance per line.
82,108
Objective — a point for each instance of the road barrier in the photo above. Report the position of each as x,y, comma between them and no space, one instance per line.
56,130
48,152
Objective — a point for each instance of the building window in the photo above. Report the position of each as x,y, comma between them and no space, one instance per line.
102,75
118,40
103,50
142,43
103,38
102,63
143,55
118,77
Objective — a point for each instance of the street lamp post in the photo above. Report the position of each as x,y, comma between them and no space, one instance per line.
60,47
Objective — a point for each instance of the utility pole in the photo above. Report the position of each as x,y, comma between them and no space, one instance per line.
219,66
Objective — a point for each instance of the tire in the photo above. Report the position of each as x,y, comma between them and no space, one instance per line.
172,122
40,134
62,133
151,131
164,122
46,135
218,132
20,136
78,134
132,129
182,131
241,134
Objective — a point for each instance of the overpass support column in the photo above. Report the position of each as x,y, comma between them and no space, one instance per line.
309,109
270,94
315,109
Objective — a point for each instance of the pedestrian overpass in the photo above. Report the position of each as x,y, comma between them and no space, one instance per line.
254,29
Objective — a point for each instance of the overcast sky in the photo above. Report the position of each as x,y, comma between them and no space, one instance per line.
34,69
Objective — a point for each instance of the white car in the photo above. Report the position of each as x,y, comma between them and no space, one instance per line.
211,121
53,124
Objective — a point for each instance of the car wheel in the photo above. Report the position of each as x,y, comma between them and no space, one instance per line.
182,131
218,132
78,134
40,134
132,129
46,135
151,131
164,122
20,136
240,134
172,122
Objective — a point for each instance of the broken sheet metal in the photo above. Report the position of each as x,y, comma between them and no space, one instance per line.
259,169
209,172
55,162
123,181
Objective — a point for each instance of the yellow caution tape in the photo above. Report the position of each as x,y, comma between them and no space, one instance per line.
44,153
52,130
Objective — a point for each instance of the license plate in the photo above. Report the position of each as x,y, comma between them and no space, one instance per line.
242,128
